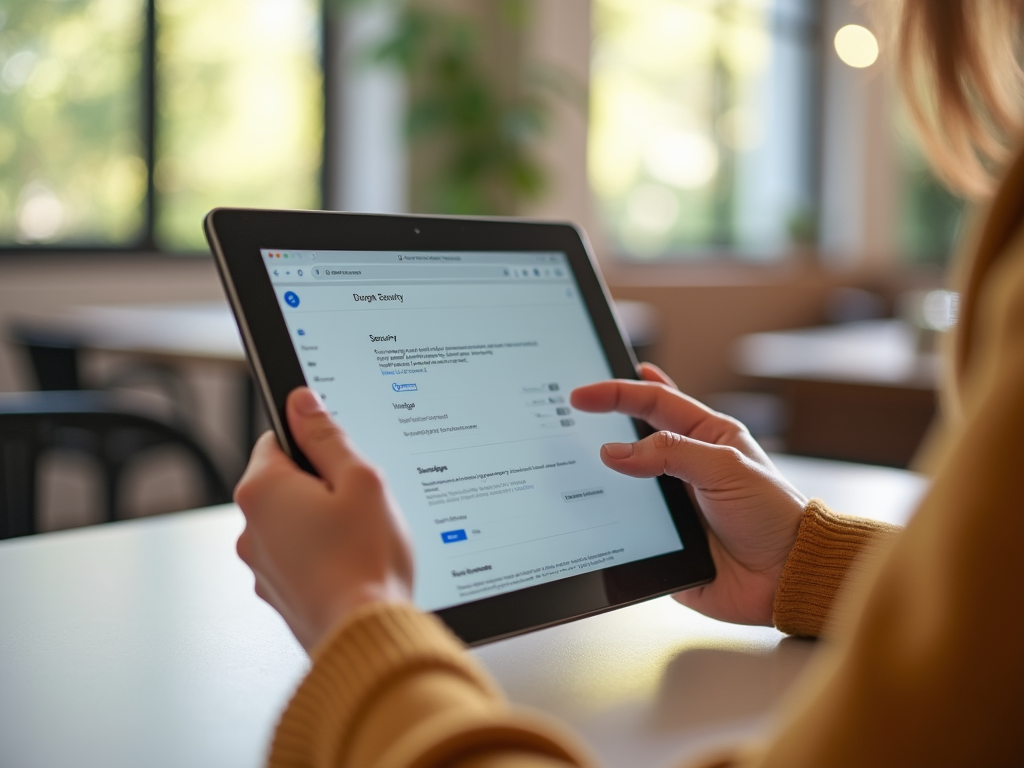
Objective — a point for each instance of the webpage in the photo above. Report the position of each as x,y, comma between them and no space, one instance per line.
452,372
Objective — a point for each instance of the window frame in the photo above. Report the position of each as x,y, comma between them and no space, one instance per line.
146,245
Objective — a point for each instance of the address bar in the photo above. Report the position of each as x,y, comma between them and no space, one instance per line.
440,272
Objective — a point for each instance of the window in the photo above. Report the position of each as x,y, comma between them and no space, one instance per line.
703,125
71,154
930,215
235,99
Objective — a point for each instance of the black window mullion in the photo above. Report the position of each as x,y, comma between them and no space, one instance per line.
329,55
149,123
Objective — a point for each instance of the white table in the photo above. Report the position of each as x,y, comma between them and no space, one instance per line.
141,644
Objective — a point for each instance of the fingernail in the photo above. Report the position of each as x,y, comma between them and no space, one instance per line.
307,402
618,450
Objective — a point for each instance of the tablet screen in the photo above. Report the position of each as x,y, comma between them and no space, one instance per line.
452,372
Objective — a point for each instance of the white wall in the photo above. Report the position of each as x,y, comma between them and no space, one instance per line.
560,36
369,172
860,173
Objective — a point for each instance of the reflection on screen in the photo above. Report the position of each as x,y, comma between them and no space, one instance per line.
452,372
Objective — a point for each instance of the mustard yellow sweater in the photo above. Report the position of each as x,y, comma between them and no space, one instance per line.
928,666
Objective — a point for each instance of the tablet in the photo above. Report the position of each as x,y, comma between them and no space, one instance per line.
447,349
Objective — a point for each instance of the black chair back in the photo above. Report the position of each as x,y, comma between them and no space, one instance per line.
54,356
96,423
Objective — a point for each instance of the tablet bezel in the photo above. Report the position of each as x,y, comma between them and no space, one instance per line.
237,236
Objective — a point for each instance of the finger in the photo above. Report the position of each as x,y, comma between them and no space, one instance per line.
318,436
651,372
266,452
242,546
265,593
658,405
266,465
667,453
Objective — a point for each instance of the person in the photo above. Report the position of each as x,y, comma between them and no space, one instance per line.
925,667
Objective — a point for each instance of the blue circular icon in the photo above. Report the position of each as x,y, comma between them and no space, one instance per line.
291,298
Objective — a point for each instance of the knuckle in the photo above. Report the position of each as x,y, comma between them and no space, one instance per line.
245,493
365,477
250,489
733,456
242,548
665,440
733,427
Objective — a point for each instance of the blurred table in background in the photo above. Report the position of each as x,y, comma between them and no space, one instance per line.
202,332
171,335
206,333
859,391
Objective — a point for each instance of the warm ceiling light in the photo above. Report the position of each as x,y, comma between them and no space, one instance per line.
856,46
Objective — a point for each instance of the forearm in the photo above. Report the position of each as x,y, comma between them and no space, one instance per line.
393,687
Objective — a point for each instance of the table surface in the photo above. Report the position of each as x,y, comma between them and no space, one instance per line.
142,643
877,352
188,331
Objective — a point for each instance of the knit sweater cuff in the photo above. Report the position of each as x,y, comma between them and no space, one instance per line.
830,549
374,647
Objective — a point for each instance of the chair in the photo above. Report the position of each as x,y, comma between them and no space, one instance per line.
55,358
99,424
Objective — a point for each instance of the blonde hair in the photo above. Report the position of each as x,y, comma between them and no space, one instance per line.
959,69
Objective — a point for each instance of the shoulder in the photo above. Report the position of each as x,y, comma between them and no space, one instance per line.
989,274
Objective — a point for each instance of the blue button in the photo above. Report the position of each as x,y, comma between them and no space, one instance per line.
291,298
449,536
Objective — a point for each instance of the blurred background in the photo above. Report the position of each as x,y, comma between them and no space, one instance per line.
744,169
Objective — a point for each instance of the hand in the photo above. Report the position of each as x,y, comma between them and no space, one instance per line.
750,512
320,547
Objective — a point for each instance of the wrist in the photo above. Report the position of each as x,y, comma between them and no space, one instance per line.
352,602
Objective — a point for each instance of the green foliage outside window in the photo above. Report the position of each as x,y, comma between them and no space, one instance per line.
71,158
476,105
930,215
239,106
239,110
702,126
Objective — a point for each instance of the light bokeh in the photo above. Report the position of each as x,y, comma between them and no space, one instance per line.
856,46
701,118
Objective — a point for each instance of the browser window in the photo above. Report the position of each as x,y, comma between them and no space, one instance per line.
452,372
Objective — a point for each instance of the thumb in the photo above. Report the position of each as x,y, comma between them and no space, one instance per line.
320,438
702,465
